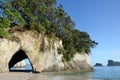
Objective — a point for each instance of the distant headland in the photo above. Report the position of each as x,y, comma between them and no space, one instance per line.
109,63
98,64
113,63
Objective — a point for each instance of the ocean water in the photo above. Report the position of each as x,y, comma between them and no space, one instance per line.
27,68
106,73
100,73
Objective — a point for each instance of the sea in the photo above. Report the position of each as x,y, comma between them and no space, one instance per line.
99,73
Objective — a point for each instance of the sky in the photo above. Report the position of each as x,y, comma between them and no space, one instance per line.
101,19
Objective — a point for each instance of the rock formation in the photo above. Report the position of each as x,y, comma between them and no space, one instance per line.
98,64
113,63
41,51
20,64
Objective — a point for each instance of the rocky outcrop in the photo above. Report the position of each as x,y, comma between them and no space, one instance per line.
113,63
40,50
98,64
80,62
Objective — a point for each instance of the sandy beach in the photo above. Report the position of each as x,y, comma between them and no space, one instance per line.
37,76
21,76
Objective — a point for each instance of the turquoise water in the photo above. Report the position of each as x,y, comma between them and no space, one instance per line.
100,73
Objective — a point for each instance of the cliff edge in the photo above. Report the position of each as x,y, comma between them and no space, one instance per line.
42,52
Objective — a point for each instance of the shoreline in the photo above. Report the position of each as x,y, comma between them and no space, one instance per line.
36,76
21,76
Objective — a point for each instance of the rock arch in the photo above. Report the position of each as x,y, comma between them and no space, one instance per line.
30,44
17,57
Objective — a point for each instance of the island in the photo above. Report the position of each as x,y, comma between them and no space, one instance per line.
113,63
98,64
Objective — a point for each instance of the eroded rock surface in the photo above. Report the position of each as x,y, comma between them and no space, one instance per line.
41,51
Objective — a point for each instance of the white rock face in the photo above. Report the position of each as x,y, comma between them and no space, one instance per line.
41,51
7,49
20,64
80,62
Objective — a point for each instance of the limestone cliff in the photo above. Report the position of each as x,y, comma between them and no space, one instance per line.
40,50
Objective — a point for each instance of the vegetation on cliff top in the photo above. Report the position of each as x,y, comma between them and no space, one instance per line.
46,18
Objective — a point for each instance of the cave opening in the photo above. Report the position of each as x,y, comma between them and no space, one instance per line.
20,62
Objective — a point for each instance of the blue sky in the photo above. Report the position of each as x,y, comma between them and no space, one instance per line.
101,19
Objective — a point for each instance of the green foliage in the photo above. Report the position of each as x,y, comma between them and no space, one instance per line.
13,15
8,18
70,52
4,33
34,13
61,50
44,17
4,24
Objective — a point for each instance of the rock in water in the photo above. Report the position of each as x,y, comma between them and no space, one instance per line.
20,64
98,64
113,63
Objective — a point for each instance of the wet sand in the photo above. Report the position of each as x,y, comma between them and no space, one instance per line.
38,76
21,76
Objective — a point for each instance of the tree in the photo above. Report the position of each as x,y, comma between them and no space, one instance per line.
34,13
47,18
9,17
4,22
